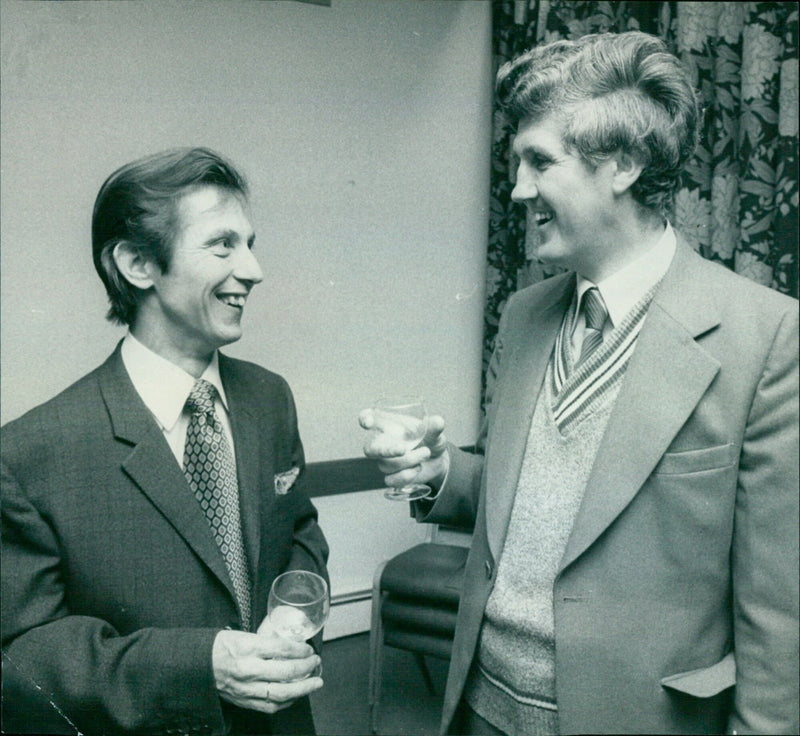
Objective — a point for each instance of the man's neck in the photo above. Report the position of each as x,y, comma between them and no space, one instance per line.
625,245
193,362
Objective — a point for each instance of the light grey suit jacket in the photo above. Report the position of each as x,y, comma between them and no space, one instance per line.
676,600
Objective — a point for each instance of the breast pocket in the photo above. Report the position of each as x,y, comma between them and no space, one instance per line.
696,461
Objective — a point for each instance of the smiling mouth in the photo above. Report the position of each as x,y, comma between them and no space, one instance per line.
542,218
236,301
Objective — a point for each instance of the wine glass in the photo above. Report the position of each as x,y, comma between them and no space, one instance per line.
404,421
298,606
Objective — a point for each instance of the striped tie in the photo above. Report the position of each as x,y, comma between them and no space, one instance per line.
576,390
596,314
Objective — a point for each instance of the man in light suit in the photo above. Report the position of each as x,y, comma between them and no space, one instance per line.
147,508
634,565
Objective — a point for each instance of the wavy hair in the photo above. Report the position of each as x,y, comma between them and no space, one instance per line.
614,92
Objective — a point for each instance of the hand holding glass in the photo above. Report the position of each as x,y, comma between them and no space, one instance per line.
404,424
298,606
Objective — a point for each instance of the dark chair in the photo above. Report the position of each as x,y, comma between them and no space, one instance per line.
415,598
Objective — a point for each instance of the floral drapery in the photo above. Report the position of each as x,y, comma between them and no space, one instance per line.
738,199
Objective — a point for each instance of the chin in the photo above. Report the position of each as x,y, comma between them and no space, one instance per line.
549,257
228,337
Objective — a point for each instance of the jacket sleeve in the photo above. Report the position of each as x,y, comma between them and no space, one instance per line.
765,548
77,673
457,502
309,547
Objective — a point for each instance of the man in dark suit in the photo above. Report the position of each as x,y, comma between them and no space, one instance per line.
147,508
634,565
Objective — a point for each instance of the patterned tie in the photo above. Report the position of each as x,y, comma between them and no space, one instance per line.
211,471
596,314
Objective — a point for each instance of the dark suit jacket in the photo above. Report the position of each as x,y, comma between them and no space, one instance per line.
676,600
113,587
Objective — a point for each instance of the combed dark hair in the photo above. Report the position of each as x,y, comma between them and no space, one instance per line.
614,92
138,204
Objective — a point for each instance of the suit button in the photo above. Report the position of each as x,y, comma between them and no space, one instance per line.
489,569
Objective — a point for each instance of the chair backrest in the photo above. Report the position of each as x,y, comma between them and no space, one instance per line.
439,534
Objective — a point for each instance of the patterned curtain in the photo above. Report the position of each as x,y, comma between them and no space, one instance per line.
738,199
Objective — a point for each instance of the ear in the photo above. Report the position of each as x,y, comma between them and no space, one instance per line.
132,265
626,171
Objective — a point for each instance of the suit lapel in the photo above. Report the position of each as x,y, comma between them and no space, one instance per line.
153,468
521,382
246,440
667,376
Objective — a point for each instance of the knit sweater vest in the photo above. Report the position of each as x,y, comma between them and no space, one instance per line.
512,681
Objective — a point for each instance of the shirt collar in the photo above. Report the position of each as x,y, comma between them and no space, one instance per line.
623,289
162,385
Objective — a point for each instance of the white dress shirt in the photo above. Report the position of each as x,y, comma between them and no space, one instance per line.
164,388
622,290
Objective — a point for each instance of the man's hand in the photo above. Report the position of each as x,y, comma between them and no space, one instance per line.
427,463
262,671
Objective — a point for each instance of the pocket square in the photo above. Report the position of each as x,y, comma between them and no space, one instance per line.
284,481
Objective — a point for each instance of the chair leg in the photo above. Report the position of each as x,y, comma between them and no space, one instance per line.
377,677
375,651
426,675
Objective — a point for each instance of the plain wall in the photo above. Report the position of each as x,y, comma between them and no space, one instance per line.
364,130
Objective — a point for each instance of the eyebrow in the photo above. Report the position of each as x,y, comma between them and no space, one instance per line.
229,235
532,150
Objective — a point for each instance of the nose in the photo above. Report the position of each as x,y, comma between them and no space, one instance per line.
247,267
525,186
